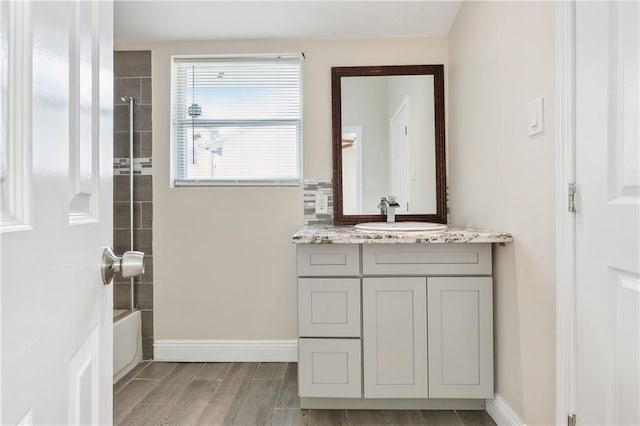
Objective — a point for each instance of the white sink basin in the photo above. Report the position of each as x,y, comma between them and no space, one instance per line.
401,227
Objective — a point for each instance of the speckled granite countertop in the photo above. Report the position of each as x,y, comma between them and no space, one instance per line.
330,234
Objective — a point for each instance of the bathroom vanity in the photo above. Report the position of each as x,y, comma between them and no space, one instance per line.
395,320
389,318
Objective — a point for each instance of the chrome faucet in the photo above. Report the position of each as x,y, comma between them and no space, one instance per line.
388,207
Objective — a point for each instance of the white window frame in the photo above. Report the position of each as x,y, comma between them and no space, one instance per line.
177,183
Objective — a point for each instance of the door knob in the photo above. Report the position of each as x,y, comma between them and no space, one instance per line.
131,264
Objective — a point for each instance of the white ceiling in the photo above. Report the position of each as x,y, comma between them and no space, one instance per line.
162,21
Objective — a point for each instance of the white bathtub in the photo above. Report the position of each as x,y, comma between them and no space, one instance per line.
127,342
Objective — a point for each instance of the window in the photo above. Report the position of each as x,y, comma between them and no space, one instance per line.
236,121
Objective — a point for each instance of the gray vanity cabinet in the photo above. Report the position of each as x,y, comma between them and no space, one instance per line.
395,322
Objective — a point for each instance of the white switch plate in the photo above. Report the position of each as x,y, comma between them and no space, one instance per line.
322,204
535,117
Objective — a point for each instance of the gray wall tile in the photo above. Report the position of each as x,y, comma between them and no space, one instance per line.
121,295
142,240
144,295
121,241
121,215
121,188
126,87
147,347
136,215
121,118
142,144
145,90
132,63
141,118
146,215
147,323
143,188
121,144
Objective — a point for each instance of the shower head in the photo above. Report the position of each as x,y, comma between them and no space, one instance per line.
127,98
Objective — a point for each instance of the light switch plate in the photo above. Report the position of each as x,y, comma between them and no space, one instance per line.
535,117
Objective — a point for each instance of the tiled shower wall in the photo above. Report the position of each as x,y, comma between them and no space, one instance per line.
132,72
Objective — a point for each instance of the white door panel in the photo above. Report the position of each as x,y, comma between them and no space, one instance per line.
607,232
399,157
56,315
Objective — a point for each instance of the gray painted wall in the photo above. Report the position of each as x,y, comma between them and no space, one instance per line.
502,57
224,261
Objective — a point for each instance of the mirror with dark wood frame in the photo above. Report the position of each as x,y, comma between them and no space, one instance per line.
388,139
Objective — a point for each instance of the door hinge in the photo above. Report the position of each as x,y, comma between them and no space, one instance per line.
406,131
572,197
571,420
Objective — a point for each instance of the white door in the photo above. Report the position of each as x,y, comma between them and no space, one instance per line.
607,232
400,153
57,96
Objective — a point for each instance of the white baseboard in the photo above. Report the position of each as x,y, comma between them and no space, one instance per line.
226,350
501,413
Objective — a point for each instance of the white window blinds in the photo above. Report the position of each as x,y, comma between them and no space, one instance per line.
236,121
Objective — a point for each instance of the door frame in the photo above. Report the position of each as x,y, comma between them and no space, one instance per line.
565,243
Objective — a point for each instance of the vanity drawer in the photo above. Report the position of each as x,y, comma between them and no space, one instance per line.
328,260
426,259
329,368
329,307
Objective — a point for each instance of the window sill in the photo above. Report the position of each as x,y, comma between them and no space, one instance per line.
179,183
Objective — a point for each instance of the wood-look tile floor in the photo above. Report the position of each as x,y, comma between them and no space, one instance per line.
167,393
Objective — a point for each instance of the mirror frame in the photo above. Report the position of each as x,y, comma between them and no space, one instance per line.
437,71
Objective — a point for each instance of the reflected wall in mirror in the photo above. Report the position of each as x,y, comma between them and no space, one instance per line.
388,139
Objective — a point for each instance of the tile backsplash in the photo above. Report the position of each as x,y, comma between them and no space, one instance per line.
311,189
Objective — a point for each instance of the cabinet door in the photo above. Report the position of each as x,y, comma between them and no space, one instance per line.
329,368
395,337
460,337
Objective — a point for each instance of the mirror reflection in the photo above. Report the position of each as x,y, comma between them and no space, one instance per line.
388,143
